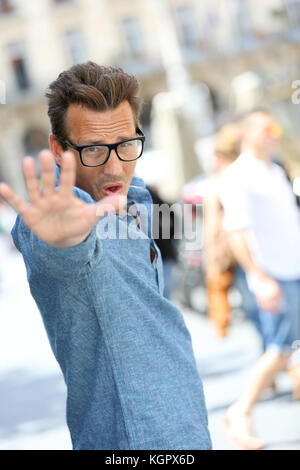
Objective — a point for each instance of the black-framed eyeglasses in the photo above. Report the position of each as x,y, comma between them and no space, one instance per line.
97,154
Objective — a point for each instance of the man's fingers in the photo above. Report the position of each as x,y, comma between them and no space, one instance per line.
47,172
13,198
31,180
67,174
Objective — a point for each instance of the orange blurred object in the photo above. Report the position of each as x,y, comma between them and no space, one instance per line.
275,130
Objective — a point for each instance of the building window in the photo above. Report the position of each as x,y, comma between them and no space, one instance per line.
293,11
131,32
75,47
18,64
6,6
241,19
58,2
187,26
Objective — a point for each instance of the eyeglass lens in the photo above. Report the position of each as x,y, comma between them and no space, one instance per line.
130,150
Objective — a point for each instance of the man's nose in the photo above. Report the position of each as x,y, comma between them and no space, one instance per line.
114,166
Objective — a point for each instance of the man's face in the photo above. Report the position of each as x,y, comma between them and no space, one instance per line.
262,132
85,127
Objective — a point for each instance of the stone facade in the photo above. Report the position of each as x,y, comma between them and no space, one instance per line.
218,41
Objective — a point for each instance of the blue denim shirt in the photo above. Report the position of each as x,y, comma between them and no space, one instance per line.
124,350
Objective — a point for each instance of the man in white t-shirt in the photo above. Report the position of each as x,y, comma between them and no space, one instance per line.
263,222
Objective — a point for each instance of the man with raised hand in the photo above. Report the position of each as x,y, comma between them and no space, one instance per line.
124,350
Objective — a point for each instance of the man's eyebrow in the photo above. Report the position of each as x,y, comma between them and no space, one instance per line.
92,142
100,142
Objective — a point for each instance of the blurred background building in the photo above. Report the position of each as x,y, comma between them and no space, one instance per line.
198,62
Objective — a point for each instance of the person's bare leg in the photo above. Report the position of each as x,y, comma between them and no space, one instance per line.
238,418
294,372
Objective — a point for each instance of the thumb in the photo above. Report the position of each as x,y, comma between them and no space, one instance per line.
110,204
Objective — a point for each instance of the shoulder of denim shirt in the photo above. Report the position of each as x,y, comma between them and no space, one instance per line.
136,181
138,193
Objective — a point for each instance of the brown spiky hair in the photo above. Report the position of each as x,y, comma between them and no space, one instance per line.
93,86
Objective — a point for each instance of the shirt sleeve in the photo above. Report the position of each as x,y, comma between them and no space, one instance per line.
73,261
233,197
59,263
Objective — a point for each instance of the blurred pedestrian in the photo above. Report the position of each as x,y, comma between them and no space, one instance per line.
166,244
221,268
219,259
124,350
263,222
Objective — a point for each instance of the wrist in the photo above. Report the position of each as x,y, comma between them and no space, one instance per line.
255,277
69,242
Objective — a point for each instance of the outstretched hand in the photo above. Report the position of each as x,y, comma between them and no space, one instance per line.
56,215
268,294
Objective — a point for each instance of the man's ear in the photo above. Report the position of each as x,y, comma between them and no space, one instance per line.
56,149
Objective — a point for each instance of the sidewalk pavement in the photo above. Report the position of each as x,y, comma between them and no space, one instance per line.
225,366
32,409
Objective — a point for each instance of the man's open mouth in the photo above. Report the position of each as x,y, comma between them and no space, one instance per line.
114,188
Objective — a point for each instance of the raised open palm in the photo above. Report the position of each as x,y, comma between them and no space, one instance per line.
55,215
